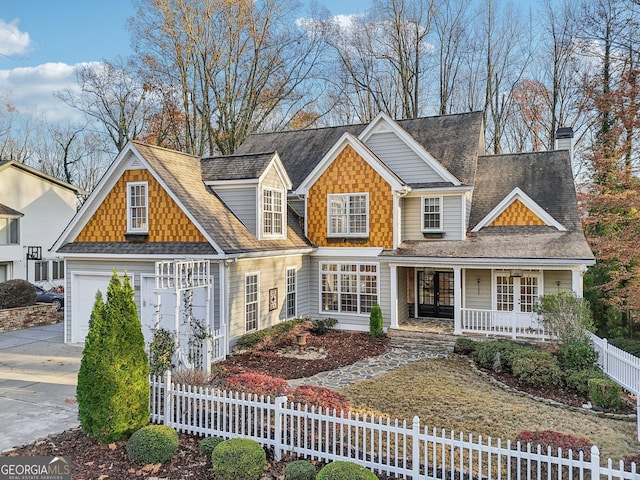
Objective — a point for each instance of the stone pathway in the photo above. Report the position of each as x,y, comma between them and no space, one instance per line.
404,348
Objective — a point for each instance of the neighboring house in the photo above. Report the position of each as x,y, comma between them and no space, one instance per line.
34,209
327,222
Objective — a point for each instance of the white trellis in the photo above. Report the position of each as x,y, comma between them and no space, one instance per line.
197,345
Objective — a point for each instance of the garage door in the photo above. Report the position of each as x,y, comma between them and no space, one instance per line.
84,287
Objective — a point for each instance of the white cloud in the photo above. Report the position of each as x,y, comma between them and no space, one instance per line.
12,40
31,90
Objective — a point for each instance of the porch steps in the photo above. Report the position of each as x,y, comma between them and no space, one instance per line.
438,344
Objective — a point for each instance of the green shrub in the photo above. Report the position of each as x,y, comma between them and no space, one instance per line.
605,393
627,344
152,444
577,355
299,470
208,444
17,293
161,351
497,355
566,315
256,339
113,380
323,326
579,379
251,340
345,471
238,459
536,368
375,321
464,346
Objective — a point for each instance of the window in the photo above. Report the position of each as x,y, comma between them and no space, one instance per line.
251,295
9,231
291,292
348,288
348,214
137,202
41,270
57,269
272,212
432,214
517,294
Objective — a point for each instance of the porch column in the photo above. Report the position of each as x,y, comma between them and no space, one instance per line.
394,296
576,281
457,301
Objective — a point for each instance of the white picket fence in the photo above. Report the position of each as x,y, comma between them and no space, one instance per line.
391,447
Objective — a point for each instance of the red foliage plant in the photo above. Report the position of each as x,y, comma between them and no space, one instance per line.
318,397
555,440
257,384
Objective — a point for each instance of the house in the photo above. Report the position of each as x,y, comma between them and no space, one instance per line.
410,214
34,209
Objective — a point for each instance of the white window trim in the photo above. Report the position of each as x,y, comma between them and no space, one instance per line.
359,288
295,292
283,221
130,229
10,219
348,233
257,275
539,274
441,207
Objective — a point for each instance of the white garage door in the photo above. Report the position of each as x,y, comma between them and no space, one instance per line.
83,295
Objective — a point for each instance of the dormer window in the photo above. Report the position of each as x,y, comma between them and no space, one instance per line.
432,214
348,215
272,212
137,207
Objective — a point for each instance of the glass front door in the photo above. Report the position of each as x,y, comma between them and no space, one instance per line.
435,294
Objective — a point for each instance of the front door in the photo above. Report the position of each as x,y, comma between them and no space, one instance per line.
435,294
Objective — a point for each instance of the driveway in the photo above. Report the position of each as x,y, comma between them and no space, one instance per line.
38,375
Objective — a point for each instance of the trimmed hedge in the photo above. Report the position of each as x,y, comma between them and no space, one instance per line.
208,444
497,355
152,444
536,368
465,346
17,293
605,393
345,471
577,355
238,459
299,470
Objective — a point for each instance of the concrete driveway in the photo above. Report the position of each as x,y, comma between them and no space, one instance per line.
38,375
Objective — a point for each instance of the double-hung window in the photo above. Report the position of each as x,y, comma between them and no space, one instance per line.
348,288
431,214
272,212
58,269
9,231
41,272
137,207
251,301
348,214
291,292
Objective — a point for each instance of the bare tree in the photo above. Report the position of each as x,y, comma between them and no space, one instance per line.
111,95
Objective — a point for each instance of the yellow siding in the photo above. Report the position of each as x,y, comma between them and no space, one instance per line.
349,173
517,215
167,222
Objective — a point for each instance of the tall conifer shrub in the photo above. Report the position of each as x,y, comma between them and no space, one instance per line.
113,384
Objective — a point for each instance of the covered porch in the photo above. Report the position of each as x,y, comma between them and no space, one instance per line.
479,300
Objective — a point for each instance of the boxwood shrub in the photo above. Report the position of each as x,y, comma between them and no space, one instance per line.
497,355
208,444
605,393
152,444
577,355
537,368
299,470
341,470
238,459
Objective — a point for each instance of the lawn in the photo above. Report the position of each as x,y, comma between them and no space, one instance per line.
447,393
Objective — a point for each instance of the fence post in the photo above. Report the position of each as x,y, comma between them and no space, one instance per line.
280,403
415,454
167,398
595,463
638,415
605,356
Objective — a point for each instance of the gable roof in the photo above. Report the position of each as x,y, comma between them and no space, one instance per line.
365,153
9,212
235,167
180,174
453,140
545,177
48,178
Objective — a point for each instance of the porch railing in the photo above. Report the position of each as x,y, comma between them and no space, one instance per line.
500,323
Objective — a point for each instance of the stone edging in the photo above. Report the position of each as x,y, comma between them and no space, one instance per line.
553,403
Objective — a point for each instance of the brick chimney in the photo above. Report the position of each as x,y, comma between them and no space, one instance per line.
564,140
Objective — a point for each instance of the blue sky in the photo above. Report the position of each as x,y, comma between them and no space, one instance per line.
42,40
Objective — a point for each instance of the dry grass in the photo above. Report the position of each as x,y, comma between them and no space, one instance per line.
447,393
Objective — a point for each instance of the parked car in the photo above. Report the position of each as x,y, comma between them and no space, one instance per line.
43,295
